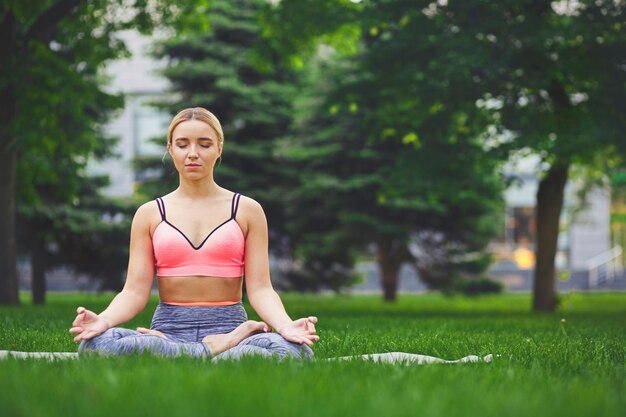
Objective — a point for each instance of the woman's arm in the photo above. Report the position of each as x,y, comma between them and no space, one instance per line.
136,292
262,295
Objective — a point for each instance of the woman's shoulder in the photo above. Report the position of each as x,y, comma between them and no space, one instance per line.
148,212
149,207
250,213
249,204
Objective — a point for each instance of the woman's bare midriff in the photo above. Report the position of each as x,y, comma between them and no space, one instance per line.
198,289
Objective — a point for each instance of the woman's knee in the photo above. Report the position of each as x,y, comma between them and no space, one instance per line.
114,341
279,346
240,351
104,339
119,341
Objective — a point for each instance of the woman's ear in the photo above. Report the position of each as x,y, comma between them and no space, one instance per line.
167,152
220,148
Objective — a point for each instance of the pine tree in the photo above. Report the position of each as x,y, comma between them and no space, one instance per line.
219,70
368,182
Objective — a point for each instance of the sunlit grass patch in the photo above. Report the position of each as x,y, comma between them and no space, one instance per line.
567,363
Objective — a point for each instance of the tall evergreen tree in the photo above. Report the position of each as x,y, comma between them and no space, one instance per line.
218,69
431,202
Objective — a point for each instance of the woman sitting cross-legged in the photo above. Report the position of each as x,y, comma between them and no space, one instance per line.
203,240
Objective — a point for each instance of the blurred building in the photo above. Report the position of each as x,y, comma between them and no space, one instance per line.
139,123
586,258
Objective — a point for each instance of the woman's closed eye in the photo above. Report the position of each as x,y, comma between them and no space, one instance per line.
201,145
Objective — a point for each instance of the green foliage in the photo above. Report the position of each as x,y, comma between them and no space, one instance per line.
477,286
618,179
53,108
367,178
294,27
61,109
500,77
90,235
527,63
58,90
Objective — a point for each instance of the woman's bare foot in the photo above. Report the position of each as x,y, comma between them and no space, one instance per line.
143,330
219,343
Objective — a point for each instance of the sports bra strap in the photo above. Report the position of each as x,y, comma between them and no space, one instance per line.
161,205
234,205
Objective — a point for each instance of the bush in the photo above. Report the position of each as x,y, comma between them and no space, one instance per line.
477,286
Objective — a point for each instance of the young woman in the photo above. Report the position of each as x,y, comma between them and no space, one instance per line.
203,240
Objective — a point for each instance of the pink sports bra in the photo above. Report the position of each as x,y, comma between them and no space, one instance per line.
219,255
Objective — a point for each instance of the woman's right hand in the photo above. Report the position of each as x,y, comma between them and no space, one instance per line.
87,324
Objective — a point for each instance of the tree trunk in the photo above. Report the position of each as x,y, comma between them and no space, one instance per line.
8,168
391,254
549,205
38,266
389,274
8,250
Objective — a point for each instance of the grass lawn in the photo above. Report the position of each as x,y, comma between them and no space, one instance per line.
546,366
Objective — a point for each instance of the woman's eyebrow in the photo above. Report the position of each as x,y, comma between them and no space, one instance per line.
201,138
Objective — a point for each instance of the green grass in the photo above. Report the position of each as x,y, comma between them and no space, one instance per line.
544,368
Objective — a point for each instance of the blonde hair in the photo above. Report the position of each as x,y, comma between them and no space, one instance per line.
196,113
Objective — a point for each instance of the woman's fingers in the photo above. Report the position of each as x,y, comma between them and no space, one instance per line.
301,340
86,335
310,326
307,339
311,337
79,318
76,329
307,323
302,331
82,336
83,315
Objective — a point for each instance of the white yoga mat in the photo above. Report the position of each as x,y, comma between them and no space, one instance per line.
39,355
389,357
411,358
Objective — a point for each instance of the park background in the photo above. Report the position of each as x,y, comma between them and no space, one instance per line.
460,147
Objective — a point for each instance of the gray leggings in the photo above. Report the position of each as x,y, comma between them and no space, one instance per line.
185,327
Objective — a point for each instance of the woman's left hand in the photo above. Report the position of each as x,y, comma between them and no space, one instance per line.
301,331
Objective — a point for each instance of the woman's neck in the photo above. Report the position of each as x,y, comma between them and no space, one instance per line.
197,189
